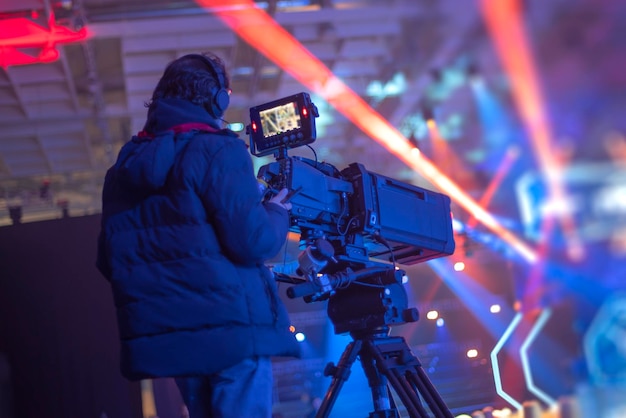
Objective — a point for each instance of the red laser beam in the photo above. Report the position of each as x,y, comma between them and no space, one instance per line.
21,33
258,29
509,158
449,162
507,33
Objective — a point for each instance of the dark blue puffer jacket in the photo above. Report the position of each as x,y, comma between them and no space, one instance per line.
183,243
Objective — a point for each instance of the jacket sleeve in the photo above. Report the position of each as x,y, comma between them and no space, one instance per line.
249,230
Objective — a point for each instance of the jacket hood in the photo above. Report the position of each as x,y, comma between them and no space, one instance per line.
146,160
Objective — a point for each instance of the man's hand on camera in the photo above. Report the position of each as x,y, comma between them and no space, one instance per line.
278,199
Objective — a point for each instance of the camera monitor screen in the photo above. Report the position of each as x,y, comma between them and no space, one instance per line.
282,124
280,119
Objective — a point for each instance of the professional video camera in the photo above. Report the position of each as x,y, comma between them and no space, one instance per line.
353,223
354,226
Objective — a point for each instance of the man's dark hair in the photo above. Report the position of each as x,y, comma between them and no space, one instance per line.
192,77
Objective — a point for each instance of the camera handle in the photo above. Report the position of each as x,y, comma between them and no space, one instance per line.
322,287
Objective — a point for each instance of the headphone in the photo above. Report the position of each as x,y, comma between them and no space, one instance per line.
221,98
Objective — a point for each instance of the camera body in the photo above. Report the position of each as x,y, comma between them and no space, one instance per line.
367,217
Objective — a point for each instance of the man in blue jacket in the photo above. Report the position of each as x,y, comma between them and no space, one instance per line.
183,242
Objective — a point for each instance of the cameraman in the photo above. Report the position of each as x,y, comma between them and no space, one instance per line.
184,237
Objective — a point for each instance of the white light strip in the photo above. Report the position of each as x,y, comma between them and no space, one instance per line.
494,361
541,321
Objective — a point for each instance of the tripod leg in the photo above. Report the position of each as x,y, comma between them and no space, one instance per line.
378,385
340,374
407,394
403,369
388,355
420,380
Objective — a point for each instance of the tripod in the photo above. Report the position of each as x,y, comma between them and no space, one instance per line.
387,362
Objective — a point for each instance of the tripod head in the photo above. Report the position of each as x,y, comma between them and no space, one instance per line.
375,302
361,298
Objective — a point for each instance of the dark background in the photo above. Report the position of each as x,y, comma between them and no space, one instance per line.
57,325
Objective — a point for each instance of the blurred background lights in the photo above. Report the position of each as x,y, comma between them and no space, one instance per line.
440,322
504,412
459,266
495,308
432,315
300,337
472,353
237,126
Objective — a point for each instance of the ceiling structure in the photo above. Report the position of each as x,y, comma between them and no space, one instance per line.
62,122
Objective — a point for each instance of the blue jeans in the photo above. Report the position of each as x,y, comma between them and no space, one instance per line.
243,391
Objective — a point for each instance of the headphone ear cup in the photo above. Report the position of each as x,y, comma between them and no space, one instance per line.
220,102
